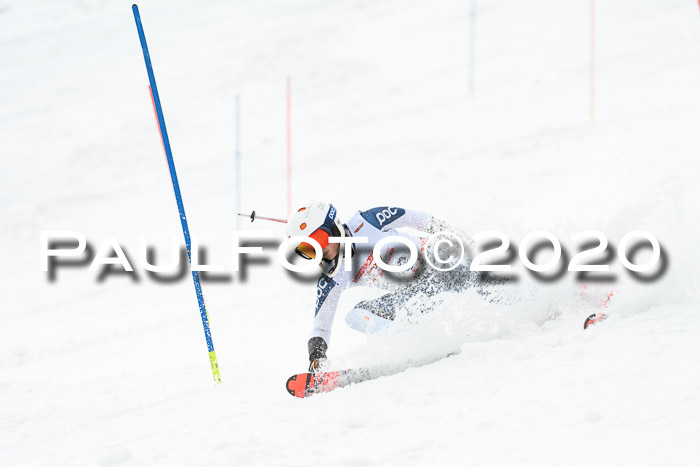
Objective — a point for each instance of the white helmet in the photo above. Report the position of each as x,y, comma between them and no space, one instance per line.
317,220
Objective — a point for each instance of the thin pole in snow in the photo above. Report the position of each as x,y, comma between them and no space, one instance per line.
178,196
592,77
238,159
289,145
472,46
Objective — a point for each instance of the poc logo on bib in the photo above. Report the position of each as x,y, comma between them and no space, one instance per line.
323,288
385,214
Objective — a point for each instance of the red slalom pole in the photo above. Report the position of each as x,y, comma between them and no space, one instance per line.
472,47
289,145
155,112
592,77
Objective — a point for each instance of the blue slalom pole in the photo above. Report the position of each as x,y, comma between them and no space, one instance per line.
178,195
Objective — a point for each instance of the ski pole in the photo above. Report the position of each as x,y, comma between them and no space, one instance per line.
178,195
252,217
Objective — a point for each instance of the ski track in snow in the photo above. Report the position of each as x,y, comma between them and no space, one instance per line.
115,372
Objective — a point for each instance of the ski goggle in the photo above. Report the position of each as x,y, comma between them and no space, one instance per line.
306,250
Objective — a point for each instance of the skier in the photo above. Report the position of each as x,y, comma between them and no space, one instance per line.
319,220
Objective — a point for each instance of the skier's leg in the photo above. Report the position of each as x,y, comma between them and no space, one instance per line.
370,316
366,322
489,287
433,282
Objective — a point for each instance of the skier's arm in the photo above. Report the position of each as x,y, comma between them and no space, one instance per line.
327,296
384,218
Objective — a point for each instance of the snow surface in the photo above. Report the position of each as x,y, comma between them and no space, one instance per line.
116,372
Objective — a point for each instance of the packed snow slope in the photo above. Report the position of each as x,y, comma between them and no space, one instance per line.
115,372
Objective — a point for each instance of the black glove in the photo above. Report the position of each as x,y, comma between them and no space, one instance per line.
317,354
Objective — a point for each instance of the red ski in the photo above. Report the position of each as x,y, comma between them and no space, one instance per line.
307,384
